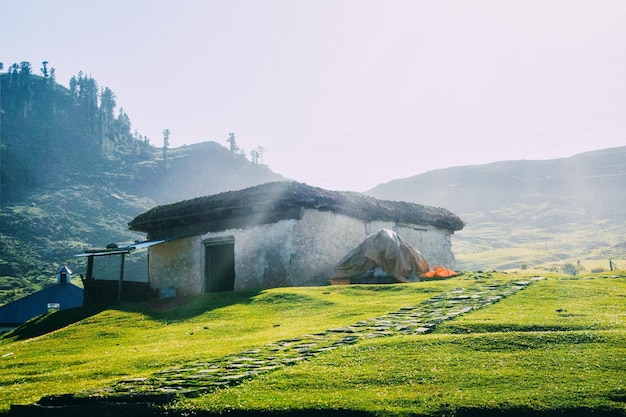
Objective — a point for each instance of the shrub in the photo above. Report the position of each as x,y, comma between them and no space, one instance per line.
569,269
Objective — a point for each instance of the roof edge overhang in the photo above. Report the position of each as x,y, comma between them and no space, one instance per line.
271,202
202,223
125,249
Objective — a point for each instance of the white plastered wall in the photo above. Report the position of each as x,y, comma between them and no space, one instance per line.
435,244
287,253
178,264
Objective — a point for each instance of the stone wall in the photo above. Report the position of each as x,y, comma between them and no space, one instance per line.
435,244
286,253
177,263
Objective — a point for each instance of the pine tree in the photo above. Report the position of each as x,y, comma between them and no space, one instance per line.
166,143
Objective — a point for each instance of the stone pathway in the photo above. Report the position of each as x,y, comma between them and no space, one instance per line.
204,377
199,378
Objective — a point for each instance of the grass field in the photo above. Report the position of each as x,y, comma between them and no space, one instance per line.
557,346
504,246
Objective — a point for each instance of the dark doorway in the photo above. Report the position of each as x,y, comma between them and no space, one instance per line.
219,264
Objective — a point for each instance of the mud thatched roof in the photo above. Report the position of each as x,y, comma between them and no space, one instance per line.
274,201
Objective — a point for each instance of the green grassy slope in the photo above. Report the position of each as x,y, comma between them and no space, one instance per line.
558,345
136,340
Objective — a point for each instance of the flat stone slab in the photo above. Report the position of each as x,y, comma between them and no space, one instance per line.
423,330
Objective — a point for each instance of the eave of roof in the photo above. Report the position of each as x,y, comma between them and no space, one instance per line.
271,202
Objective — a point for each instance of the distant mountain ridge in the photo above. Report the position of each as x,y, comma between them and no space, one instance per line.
520,213
594,182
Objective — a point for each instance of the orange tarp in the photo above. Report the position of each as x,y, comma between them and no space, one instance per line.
439,272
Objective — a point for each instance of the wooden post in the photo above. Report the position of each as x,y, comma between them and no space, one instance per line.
90,267
90,295
119,287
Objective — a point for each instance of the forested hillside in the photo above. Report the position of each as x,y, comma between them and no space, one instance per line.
73,173
50,132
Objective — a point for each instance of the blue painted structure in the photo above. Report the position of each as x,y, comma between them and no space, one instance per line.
60,296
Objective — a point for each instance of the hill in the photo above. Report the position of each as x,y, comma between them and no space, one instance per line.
529,212
479,344
73,173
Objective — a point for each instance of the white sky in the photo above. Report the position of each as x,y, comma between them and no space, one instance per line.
346,94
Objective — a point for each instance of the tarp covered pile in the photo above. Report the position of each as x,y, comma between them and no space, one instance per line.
386,255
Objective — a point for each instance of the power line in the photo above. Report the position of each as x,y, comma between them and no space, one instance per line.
404,132
401,150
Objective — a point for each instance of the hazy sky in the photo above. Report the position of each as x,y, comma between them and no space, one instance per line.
346,94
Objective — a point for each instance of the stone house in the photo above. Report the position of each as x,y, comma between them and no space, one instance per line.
278,234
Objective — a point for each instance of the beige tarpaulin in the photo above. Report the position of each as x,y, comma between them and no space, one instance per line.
388,251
